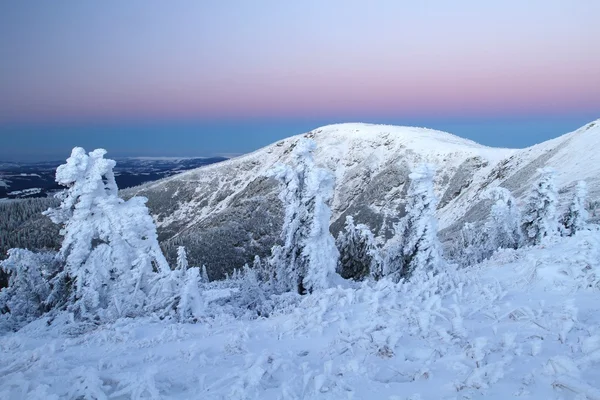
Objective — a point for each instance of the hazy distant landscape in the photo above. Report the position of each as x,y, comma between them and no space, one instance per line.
22,180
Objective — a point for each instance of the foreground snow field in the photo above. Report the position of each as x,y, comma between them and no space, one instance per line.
524,324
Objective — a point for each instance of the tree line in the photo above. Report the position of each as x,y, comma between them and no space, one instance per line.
109,264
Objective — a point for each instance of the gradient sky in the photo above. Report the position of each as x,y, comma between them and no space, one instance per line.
209,77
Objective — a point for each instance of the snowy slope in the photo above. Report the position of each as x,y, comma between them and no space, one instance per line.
525,324
227,213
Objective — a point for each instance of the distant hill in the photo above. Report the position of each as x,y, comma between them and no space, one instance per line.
228,212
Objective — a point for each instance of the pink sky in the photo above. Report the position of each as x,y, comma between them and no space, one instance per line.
74,61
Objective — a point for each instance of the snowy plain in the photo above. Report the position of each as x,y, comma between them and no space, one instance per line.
524,324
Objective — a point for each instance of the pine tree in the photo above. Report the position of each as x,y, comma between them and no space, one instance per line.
190,307
540,219
251,294
576,217
182,262
359,255
110,248
263,271
204,276
26,296
393,254
473,245
503,226
421,250
308,256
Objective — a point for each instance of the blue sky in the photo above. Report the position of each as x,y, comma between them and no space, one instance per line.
229,138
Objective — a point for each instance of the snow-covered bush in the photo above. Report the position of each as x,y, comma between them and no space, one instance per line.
110,249
576,216
308,257
539,219
29,286
359,254
415,245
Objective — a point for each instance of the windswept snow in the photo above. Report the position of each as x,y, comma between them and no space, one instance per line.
524,324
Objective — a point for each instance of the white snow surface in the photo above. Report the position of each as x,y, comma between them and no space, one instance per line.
524,324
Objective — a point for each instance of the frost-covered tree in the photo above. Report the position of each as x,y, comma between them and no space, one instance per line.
110,249
472,245
182,262
308,256
503,227
576,216
251,294
359,254
29,288
539,219
421,249
190,307
264,272
204,275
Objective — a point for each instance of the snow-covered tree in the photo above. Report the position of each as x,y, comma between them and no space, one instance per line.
308,256
204,275
182,262
110,249
539,219
576,216
29,288
421,249
472,245
190,306
251,294
359,255
503,227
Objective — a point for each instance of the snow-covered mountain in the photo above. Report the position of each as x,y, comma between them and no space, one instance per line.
228,212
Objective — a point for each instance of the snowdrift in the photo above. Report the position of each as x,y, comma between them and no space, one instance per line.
522,324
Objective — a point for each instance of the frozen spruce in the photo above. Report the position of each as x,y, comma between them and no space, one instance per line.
421,249
503,225
190,307
204,275
472,245
308,257
182,262
539,219
110,249
359,254
27,296
576,217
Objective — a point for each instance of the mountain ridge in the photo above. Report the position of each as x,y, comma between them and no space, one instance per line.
228,212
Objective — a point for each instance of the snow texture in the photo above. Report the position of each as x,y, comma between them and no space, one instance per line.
523,324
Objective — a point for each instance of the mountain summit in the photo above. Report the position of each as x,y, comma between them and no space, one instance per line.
227,213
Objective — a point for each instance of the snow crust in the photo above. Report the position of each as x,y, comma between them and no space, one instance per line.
524,324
